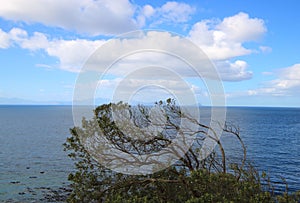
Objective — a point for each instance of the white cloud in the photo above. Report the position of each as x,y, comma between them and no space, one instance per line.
171,12
17,34
287,83
222,40
176,12
233,71
71,53
148,11
101,17
4,39
290,73
155,49
84,16
265,49
241,28
35,42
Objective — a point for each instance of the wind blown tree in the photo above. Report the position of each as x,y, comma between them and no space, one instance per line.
192,178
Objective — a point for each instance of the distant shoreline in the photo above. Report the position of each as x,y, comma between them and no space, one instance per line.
200,106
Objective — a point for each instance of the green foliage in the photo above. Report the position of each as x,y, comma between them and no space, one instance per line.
190,180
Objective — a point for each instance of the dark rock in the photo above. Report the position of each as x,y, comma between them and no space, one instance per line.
22,193
32,177
30,190
15,182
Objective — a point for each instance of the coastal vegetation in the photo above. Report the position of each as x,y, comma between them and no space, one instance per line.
193,178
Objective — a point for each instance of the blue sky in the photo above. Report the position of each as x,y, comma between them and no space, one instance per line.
253,44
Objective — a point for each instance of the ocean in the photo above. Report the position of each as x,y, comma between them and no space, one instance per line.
33,165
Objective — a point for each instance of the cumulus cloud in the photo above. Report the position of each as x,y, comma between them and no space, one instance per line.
233,71
84,16
242,28
171,12
71,53
148,11
152,49
288,79
222,40
21,38
176,12
287,83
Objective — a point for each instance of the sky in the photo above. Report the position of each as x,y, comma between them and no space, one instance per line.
253,46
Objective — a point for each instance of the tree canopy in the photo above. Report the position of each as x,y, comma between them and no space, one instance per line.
100,174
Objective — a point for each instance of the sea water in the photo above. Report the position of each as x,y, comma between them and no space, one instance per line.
33,163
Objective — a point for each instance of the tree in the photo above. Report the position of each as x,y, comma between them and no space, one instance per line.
192,178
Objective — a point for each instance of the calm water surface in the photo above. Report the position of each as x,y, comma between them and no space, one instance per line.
272,138
32,160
